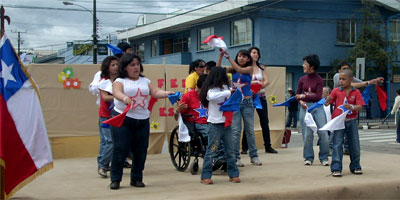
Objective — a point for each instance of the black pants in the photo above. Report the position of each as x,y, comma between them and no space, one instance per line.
264,122
133,136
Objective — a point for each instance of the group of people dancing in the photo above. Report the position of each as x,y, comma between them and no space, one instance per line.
122,85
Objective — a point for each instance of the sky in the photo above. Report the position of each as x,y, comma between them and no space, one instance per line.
49,24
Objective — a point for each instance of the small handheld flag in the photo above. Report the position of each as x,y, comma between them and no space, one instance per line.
173,98
114,49
118,120
287,102
316,105
255,87
230,105
257,102
366,94
215,41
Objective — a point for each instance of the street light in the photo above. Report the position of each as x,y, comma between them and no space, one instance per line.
67,3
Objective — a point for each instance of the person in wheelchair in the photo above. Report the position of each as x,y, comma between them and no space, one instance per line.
195,118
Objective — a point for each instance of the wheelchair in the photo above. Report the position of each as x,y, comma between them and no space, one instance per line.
180,152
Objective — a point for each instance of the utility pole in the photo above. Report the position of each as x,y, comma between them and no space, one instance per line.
19,40
94,33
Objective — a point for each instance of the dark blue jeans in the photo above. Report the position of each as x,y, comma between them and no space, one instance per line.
133,136
351,131
292,117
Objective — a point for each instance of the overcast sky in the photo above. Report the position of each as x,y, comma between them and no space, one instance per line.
49,24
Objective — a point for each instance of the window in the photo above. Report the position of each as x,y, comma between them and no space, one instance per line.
175,45
395,30
138,49
241,32
202,35
180,45
346,32
154,48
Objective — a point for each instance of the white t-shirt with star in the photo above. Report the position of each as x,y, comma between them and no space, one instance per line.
139,92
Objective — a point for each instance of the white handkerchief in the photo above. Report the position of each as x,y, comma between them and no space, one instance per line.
309,121
183,132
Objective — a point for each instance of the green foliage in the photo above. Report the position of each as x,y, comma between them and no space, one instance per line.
371,42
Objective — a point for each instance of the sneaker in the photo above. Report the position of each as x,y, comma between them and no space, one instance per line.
239,163
307,162
243,152
102,172
234,180
357,171
114,185
256,161
270,150
336,174
325,163
127,164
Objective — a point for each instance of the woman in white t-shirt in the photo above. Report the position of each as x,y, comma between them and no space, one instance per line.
131,87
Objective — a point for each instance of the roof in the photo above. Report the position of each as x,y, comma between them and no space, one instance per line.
182,21
212,12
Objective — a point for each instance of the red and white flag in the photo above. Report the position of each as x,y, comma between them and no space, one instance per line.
25,151
215,41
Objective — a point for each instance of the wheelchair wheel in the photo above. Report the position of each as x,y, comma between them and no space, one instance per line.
194,167
179,151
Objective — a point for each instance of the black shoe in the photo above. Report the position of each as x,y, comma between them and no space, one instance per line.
270,150
114,185
137,184
243,152
224,167
127,165
346,152
218,164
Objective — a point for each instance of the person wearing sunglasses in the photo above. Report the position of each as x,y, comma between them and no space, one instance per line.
196,69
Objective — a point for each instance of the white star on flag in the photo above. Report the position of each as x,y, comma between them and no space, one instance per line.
6,73
335,124
138,99
239,85
341,107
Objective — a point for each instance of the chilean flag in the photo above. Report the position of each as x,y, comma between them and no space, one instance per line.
215,41
25,151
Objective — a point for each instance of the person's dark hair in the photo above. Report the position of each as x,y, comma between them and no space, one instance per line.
244,52
398,91
216,79
105,66
210,64
201,80
124,46
259,56
124,62
313,60
194,64
343,63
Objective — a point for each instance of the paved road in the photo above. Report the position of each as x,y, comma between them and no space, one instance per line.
374,140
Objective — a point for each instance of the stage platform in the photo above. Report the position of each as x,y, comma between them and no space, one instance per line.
282,176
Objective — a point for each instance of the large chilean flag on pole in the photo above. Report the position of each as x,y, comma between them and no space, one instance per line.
24,146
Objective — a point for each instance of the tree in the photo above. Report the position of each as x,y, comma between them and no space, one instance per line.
371,42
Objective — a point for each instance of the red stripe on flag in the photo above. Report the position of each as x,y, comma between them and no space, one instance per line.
118,120
18,162
228,118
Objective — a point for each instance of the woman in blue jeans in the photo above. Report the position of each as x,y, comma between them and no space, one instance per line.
132,89
242,70
214,93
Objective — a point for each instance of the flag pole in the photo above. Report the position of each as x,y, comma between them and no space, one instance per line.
2,170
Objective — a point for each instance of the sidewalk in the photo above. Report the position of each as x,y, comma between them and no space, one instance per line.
282,176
